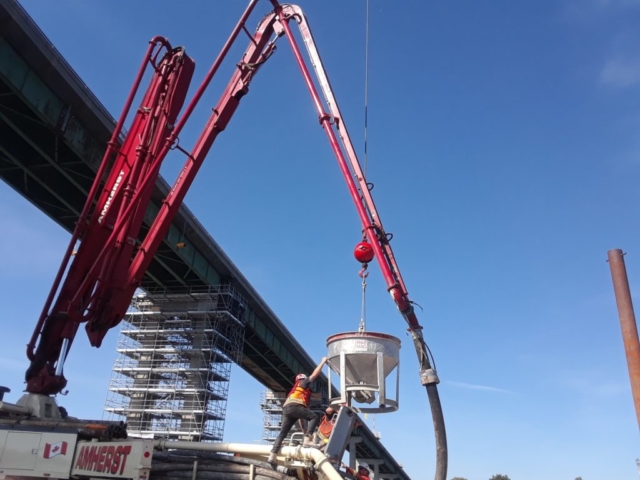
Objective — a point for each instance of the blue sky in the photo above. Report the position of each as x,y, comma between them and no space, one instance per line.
504,146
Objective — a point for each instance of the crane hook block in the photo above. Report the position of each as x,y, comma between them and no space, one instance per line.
363,252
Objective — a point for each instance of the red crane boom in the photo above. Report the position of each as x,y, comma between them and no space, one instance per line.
95,283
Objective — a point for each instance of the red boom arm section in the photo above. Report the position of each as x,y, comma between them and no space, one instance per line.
95,285
95,288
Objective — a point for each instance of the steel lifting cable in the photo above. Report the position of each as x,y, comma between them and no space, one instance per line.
366,87
363,310
364,273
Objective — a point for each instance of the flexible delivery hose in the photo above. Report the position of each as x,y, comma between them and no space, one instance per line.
213,466
189,452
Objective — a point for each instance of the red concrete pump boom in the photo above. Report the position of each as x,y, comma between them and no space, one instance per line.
105,261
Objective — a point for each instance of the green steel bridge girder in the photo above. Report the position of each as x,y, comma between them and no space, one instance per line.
51,111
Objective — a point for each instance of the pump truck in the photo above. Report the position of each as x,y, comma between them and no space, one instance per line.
106,260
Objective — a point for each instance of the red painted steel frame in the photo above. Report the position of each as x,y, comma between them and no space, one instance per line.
109,265
92,282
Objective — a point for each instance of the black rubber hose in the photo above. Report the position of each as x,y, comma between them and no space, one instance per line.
436,408
439,431
213,466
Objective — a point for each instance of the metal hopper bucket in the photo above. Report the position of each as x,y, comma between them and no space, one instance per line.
363,361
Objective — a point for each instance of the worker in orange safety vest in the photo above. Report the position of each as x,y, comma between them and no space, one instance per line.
326,424
296,407
361,474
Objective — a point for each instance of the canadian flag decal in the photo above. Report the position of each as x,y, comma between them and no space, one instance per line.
54,449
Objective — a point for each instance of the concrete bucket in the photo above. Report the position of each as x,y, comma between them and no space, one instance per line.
363,361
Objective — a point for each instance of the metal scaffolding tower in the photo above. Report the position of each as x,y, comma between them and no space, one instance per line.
271,405
171,374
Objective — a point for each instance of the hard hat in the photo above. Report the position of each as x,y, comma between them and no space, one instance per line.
300,376
364,465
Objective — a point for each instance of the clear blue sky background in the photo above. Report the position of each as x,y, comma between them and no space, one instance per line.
505,150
